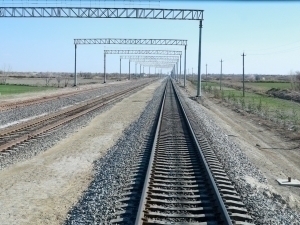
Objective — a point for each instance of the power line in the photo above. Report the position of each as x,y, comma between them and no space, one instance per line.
277,52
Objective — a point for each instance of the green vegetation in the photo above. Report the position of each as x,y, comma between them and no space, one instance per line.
265,86
260,85
278,110
19,89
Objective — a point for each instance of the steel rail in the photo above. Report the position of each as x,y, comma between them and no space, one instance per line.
140,219
22,132
39,100
147,178
216,192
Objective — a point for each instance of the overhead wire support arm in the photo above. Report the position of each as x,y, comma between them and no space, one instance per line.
156,52
149,57
95,12
87,41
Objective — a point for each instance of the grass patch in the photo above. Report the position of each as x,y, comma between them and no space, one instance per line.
10,89
279,110
268,85
255,86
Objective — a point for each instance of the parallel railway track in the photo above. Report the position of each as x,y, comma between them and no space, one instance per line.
15,135
183,182
35,101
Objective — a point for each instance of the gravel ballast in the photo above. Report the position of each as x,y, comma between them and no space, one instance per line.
43,142
17,114
43,189
99,202
265,206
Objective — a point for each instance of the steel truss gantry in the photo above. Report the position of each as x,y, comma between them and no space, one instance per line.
127,41
155,64
146,60
141,52
99,12
149,60
156,58
95,12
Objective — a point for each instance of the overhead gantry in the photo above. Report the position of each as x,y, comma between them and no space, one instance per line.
125,41
99,12
146,52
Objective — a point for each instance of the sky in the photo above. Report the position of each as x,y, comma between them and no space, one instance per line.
267,32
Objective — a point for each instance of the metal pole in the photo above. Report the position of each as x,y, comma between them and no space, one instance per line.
129,71
120,67
104,68
180,67
221,75
177,69
243,75
206,74
75,73
184,66
199,61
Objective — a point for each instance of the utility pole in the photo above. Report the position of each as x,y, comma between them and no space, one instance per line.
129,71
221,74
193,73
120,67
243,75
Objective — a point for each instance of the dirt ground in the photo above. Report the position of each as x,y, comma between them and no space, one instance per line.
264,143
42,190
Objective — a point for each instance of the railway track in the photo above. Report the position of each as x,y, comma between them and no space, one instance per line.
36,101
16,135
183,182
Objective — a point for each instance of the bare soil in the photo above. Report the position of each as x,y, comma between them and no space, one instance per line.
42,189
276,152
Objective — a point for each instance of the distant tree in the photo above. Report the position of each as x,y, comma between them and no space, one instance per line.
5,72
58,79
66,80
48,78
297,80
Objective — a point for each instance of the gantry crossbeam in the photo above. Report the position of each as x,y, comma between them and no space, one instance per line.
153,52
122,41
91,12
156,58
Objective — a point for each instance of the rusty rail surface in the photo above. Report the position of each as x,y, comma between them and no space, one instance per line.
34,101
15,135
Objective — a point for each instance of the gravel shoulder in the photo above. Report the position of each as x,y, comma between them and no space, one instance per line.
42,190
276,156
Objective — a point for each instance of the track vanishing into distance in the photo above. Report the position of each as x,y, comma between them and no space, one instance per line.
15,135
177,181
36,101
